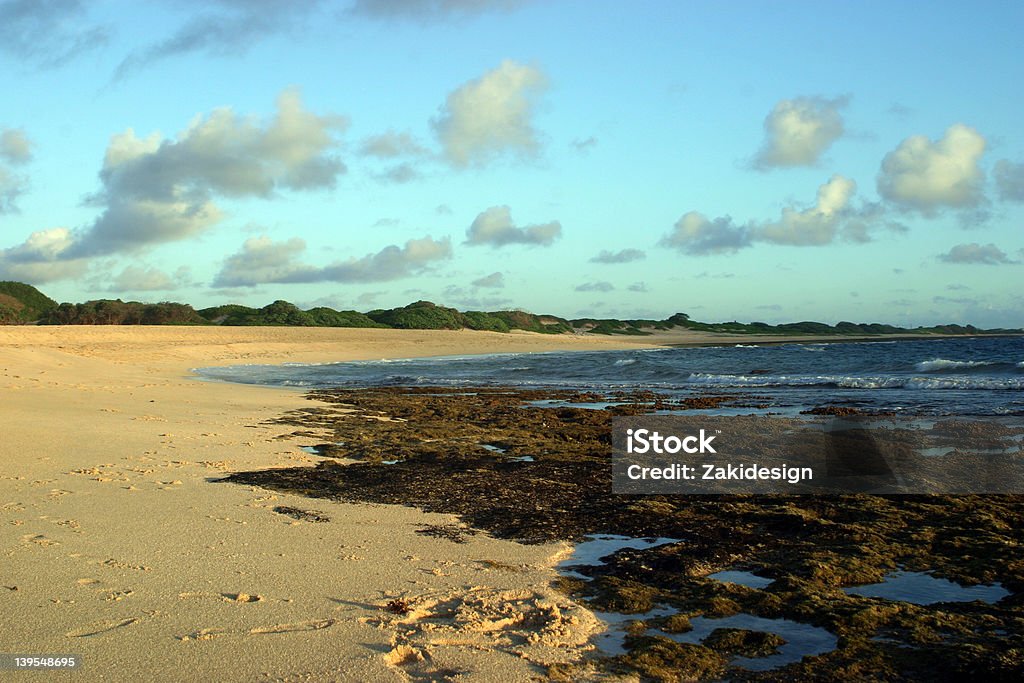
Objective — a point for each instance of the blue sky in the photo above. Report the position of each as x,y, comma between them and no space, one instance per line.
743,160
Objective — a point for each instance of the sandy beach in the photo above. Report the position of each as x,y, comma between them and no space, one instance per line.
123,546
120,548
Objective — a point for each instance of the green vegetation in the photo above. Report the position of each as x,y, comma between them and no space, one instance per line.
545,324
421,315
21,303
117,312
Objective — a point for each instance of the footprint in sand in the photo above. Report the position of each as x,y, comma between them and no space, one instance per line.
118,564
38,539
315,625
115,596
98,627
204,634
404,655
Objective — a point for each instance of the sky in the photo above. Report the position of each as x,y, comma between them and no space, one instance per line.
752,161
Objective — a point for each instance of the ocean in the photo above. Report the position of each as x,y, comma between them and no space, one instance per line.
945,376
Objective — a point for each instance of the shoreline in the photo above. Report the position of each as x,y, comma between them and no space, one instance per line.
121,547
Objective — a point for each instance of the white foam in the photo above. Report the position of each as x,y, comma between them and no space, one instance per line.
939,364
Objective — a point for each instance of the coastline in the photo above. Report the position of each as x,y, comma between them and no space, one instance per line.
119,549
120,546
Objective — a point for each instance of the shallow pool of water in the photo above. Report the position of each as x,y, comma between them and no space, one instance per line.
802,640
589,553
748,579
921,588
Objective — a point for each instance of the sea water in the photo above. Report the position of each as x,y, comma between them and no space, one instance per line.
942,376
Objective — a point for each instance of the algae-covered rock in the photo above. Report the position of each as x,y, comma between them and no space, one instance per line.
739,641
659,659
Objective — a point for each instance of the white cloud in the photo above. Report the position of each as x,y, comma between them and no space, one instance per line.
161,190
925,176
595,287
262,260
229,155
832,217
988,254
494,280
11,187
798,131
40,258
139,279
392,144
621,256
400,173
425,10
814,226
130,225
222,27
48,33
491,116
694,233
495,227
1010,180
15,147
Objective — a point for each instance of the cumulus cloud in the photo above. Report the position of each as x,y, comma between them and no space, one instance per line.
427,10
798,131
11,188
816,225
925,176
400,173
129,225
830,218
495,227
158,190
494,280
261,261
15,147
222,27
595,287
40,258
638,287
228,154
143,279
392,144
491,116
48,33
1010,180
162,190
988,254
694,233
621,256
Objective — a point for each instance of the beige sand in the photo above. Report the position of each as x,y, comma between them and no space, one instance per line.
118,547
